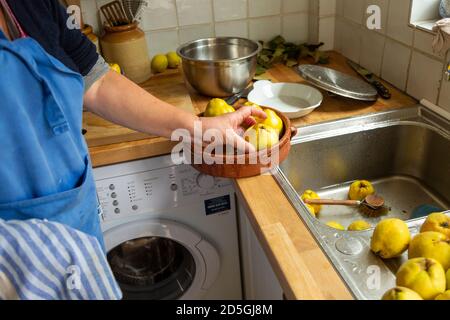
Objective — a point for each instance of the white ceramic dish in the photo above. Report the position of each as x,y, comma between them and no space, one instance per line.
293,99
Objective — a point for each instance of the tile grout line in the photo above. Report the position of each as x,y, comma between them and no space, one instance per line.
178,22
213,17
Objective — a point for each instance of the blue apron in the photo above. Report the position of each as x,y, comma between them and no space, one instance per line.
45,170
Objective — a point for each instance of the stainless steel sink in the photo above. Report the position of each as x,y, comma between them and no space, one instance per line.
405,153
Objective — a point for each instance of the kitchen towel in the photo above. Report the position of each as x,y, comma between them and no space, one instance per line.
41,260
441,42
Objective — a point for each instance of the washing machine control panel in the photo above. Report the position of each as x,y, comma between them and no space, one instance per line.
156,190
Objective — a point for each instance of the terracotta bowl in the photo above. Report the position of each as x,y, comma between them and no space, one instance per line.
266,159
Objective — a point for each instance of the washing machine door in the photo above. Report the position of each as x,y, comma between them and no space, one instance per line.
159,259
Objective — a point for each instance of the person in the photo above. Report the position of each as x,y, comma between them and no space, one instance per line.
48,72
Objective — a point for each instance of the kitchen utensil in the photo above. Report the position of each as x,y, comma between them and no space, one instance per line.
127,7
292,99
243,94
126,45
338,83
134,8
233,167
373,202
219,67
115,14
370,78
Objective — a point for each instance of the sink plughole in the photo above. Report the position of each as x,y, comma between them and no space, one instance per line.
405,153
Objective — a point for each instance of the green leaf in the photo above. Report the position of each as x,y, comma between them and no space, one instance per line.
276,42
260,70
291,63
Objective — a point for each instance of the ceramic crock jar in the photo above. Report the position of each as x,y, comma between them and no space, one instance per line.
126,46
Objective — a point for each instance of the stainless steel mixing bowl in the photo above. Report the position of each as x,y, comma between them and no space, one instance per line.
219,67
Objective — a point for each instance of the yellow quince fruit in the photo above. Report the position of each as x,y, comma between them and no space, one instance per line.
115,67
254,105
401,293
422,275
336,225
359,225
360,189
159,63
438,222
309,194
218,107
444,296
390,239
261,136
173,59
448,279
273,120
433,245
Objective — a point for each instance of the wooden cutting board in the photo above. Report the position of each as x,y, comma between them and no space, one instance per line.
168,86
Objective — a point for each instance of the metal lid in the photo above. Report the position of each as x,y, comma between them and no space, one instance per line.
338,83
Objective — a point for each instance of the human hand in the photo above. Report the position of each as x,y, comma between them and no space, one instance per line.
232,126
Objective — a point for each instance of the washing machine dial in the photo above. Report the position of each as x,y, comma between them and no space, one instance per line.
205,181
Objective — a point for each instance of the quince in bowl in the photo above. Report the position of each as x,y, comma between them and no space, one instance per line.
271,140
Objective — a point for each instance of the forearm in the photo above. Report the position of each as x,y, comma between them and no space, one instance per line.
119,100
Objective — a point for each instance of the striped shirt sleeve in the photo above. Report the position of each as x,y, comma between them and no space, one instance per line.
49,261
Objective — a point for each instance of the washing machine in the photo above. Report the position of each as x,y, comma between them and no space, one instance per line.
170,232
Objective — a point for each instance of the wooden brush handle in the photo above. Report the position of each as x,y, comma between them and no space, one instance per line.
331,202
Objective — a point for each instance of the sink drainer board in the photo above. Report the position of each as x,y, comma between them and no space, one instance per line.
405,153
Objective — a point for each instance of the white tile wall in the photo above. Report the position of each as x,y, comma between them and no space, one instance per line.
351,41
225,10
326,32
327,8
160,14
167,40
232,28
265,28
398,21
295,27
395,63
261,8
372,49
425,76
190,33
399,53
290,6
169,23
353,10
194,11
322,22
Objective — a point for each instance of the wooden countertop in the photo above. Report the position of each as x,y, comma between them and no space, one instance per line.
301,266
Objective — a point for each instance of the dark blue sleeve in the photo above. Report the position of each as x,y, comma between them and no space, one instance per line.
76,45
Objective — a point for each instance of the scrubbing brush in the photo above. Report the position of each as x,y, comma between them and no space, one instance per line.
372,206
